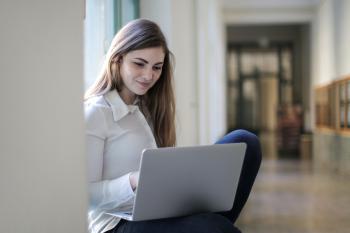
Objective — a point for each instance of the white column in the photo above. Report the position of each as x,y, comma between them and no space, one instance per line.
42,164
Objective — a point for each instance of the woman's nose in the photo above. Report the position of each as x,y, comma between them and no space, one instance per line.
148,75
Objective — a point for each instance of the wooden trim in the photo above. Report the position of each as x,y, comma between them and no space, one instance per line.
322,86
332,93
337,106
345,83
344,133
342,79
325,129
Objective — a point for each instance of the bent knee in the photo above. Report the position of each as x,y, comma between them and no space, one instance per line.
252,141
248,137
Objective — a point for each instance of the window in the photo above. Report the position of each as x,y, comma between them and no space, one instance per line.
125,11
102,21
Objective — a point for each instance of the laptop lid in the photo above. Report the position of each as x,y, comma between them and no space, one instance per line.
182,181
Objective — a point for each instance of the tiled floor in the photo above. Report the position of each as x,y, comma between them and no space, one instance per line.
290,196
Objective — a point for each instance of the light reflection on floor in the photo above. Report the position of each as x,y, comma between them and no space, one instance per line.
290,196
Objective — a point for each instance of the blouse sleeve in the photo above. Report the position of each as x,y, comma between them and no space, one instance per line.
115,194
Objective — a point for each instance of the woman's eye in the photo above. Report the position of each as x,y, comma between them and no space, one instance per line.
139,64
158,68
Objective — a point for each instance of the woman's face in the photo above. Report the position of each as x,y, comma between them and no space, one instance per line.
140,70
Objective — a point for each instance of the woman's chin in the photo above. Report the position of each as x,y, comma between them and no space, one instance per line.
141,92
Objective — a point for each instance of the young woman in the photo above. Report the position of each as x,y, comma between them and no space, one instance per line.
129,108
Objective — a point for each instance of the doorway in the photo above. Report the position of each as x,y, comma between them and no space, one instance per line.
264,86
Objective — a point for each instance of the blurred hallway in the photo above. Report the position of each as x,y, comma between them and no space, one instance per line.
291,196
289,82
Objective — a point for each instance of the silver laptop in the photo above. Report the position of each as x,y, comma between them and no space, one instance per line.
182,181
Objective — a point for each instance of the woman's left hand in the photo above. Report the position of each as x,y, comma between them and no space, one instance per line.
134,179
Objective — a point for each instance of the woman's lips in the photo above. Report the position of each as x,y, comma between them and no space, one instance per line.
143,84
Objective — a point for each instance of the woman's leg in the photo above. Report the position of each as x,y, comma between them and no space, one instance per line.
211,222
200,223
250,168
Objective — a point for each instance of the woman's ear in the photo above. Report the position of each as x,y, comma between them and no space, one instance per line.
118,59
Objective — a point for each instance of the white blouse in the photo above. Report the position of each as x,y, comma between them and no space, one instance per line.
116,134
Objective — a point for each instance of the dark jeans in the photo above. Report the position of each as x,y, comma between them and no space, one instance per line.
210,222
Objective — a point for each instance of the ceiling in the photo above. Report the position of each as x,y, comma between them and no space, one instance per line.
270,4
269,11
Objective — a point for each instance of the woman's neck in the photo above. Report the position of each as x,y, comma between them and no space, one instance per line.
127,96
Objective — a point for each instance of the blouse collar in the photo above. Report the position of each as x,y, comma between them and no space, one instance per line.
119,108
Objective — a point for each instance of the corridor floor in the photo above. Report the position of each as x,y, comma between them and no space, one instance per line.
290,196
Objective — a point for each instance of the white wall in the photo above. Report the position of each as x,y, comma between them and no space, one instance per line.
183,45
330,44
177,22
331,38
324,44
194,34
42,165
160,12
211,44
342,37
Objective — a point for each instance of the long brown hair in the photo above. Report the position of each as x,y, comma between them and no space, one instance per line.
159,100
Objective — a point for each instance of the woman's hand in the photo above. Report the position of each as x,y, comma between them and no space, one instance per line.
134,179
